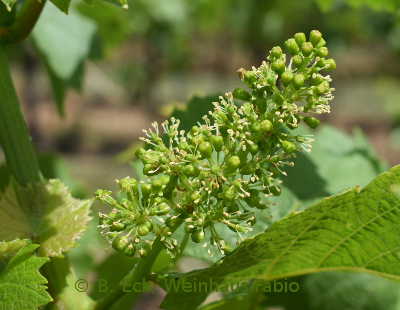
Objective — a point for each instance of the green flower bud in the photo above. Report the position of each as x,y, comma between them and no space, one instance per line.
292,46
321,43
266,125
119,243
143,230
330,64
322,52
197,140
129,186
173,222
316,80
217,142
300,38
215,169
117,226
236,227
229,194
254,199
230,109
184,146
205,149
146,190
298,81
190,157
321,63
224,246
275,53
288,146
271,79
104,197
233,163
253,149
274,190
195,130
115,215
220,117
105,221
286,78
319,90
149,225
255,126
249,78
248,169
156,186
195,196
198,236
241,94
190,171
273,171
149,169
130,250
311,122
190,228
144,252
315,37
162,209
140,153
297,61
278,66
307,48
290,122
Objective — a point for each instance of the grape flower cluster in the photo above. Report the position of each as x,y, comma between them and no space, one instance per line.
215,173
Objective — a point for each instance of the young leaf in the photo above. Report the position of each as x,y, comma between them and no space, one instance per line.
356,230
11,246
56,221
21,285
62,5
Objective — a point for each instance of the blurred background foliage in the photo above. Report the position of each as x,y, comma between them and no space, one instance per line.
128,65
111,72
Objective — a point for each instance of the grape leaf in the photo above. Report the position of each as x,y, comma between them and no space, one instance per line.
12,246
62,5
356,230
21,285
54,218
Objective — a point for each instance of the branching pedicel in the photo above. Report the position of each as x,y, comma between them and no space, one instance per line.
215,173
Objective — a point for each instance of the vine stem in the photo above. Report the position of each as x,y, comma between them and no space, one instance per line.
138,275
20,155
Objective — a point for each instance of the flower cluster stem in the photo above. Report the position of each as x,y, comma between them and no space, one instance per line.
140,272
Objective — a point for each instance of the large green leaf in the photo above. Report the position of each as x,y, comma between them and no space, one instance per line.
21,285
54,218
64,43
336,161
356,230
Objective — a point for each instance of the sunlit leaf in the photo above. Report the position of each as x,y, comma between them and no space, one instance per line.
21,285
356,230
53,218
